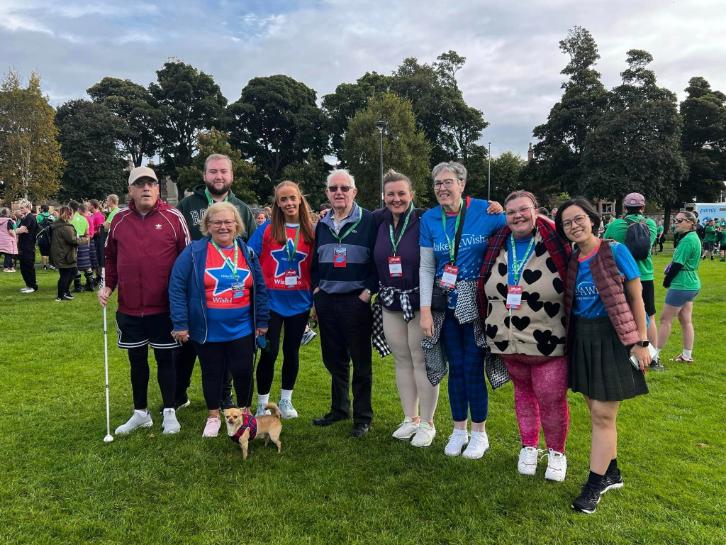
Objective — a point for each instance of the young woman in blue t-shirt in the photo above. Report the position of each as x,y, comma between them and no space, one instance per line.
600,364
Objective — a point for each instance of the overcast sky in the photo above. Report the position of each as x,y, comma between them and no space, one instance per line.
513,59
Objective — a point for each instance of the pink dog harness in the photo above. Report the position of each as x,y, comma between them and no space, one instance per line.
248,421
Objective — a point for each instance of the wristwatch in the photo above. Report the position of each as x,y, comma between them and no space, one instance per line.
644,344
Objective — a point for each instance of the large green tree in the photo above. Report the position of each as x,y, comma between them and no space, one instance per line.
133,105
215,141
405,148
276,122
95,166
637,144
30,159
704,143
188,101
558,154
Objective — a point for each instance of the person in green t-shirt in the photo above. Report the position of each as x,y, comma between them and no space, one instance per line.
683,285
709,240
659,237
634,204
113,209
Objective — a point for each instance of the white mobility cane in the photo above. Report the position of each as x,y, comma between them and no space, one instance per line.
109,437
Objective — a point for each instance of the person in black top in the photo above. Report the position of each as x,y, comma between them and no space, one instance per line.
27,232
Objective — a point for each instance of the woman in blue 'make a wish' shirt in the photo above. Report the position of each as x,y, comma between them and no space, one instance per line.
453,240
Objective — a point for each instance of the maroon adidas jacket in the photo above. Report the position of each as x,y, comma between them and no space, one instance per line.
139,255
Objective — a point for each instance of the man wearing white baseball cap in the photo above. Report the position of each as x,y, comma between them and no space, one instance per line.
142,245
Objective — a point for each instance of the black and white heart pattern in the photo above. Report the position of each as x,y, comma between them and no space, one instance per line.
531,276
520,322
551,308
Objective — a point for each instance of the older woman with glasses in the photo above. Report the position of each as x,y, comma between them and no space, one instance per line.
523,283
453,239
683,285
219,302
607,338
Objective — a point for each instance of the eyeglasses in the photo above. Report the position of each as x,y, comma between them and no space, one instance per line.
447,183
681,220
343,188
522,210
220,223
577,220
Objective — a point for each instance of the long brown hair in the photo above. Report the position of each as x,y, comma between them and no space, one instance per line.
279,233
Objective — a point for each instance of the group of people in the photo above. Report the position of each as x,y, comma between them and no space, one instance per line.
464,282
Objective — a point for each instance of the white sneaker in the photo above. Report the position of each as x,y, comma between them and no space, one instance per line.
308,336
261,411
556,466
211,429
406,430
139,419
170,424
457,441
478,445
424,436
527,464
26,290
286,409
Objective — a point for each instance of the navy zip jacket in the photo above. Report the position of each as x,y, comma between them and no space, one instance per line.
186,290
360,271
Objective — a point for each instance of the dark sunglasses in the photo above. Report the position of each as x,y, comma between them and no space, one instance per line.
343,188
681,220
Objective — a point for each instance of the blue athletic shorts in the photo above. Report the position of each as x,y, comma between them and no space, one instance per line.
678,298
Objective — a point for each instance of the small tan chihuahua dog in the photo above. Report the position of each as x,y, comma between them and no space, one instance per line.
242,427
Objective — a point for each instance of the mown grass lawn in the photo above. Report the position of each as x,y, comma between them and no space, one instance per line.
61,484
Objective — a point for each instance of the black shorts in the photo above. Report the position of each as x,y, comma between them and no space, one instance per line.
648,297
138,331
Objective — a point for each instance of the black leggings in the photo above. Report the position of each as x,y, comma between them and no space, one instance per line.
165,375
294,329
218,359
64,281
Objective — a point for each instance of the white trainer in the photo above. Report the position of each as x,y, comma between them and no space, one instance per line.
424,436
287,411
478,445
406,430
457,441
556,466
139,419
211,429
170,424
261,411
527,464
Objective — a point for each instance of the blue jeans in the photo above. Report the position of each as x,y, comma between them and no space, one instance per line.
467,389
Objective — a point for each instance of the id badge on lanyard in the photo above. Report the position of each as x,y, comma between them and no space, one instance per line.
238,289
340,257
448,279
290,279
395,268
514,297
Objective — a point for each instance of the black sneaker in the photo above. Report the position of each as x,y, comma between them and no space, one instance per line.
612,480
656,365
588,499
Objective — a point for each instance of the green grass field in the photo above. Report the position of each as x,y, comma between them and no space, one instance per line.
61,484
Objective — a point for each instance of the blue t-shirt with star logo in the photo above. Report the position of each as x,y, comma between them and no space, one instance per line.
478,227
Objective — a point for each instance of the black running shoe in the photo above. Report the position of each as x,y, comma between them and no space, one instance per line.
656,365
588,499
611,481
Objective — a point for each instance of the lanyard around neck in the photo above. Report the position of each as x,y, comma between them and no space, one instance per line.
291,251
210,200
227,261
516,265
452,249
340,238
396,242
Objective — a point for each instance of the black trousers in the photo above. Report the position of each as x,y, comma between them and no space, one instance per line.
27,269
294,329
220,359
345,334
184,359
64,281
165,375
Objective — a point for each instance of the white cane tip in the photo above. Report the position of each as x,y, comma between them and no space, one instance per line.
108,439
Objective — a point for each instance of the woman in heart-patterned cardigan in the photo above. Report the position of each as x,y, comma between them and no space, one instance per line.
522,287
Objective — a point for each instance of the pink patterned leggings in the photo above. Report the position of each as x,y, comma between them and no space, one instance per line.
540,394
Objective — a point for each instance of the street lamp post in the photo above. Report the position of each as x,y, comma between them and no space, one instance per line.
489,174
381,126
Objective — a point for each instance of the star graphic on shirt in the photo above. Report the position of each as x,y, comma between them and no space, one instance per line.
223,278
283,260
